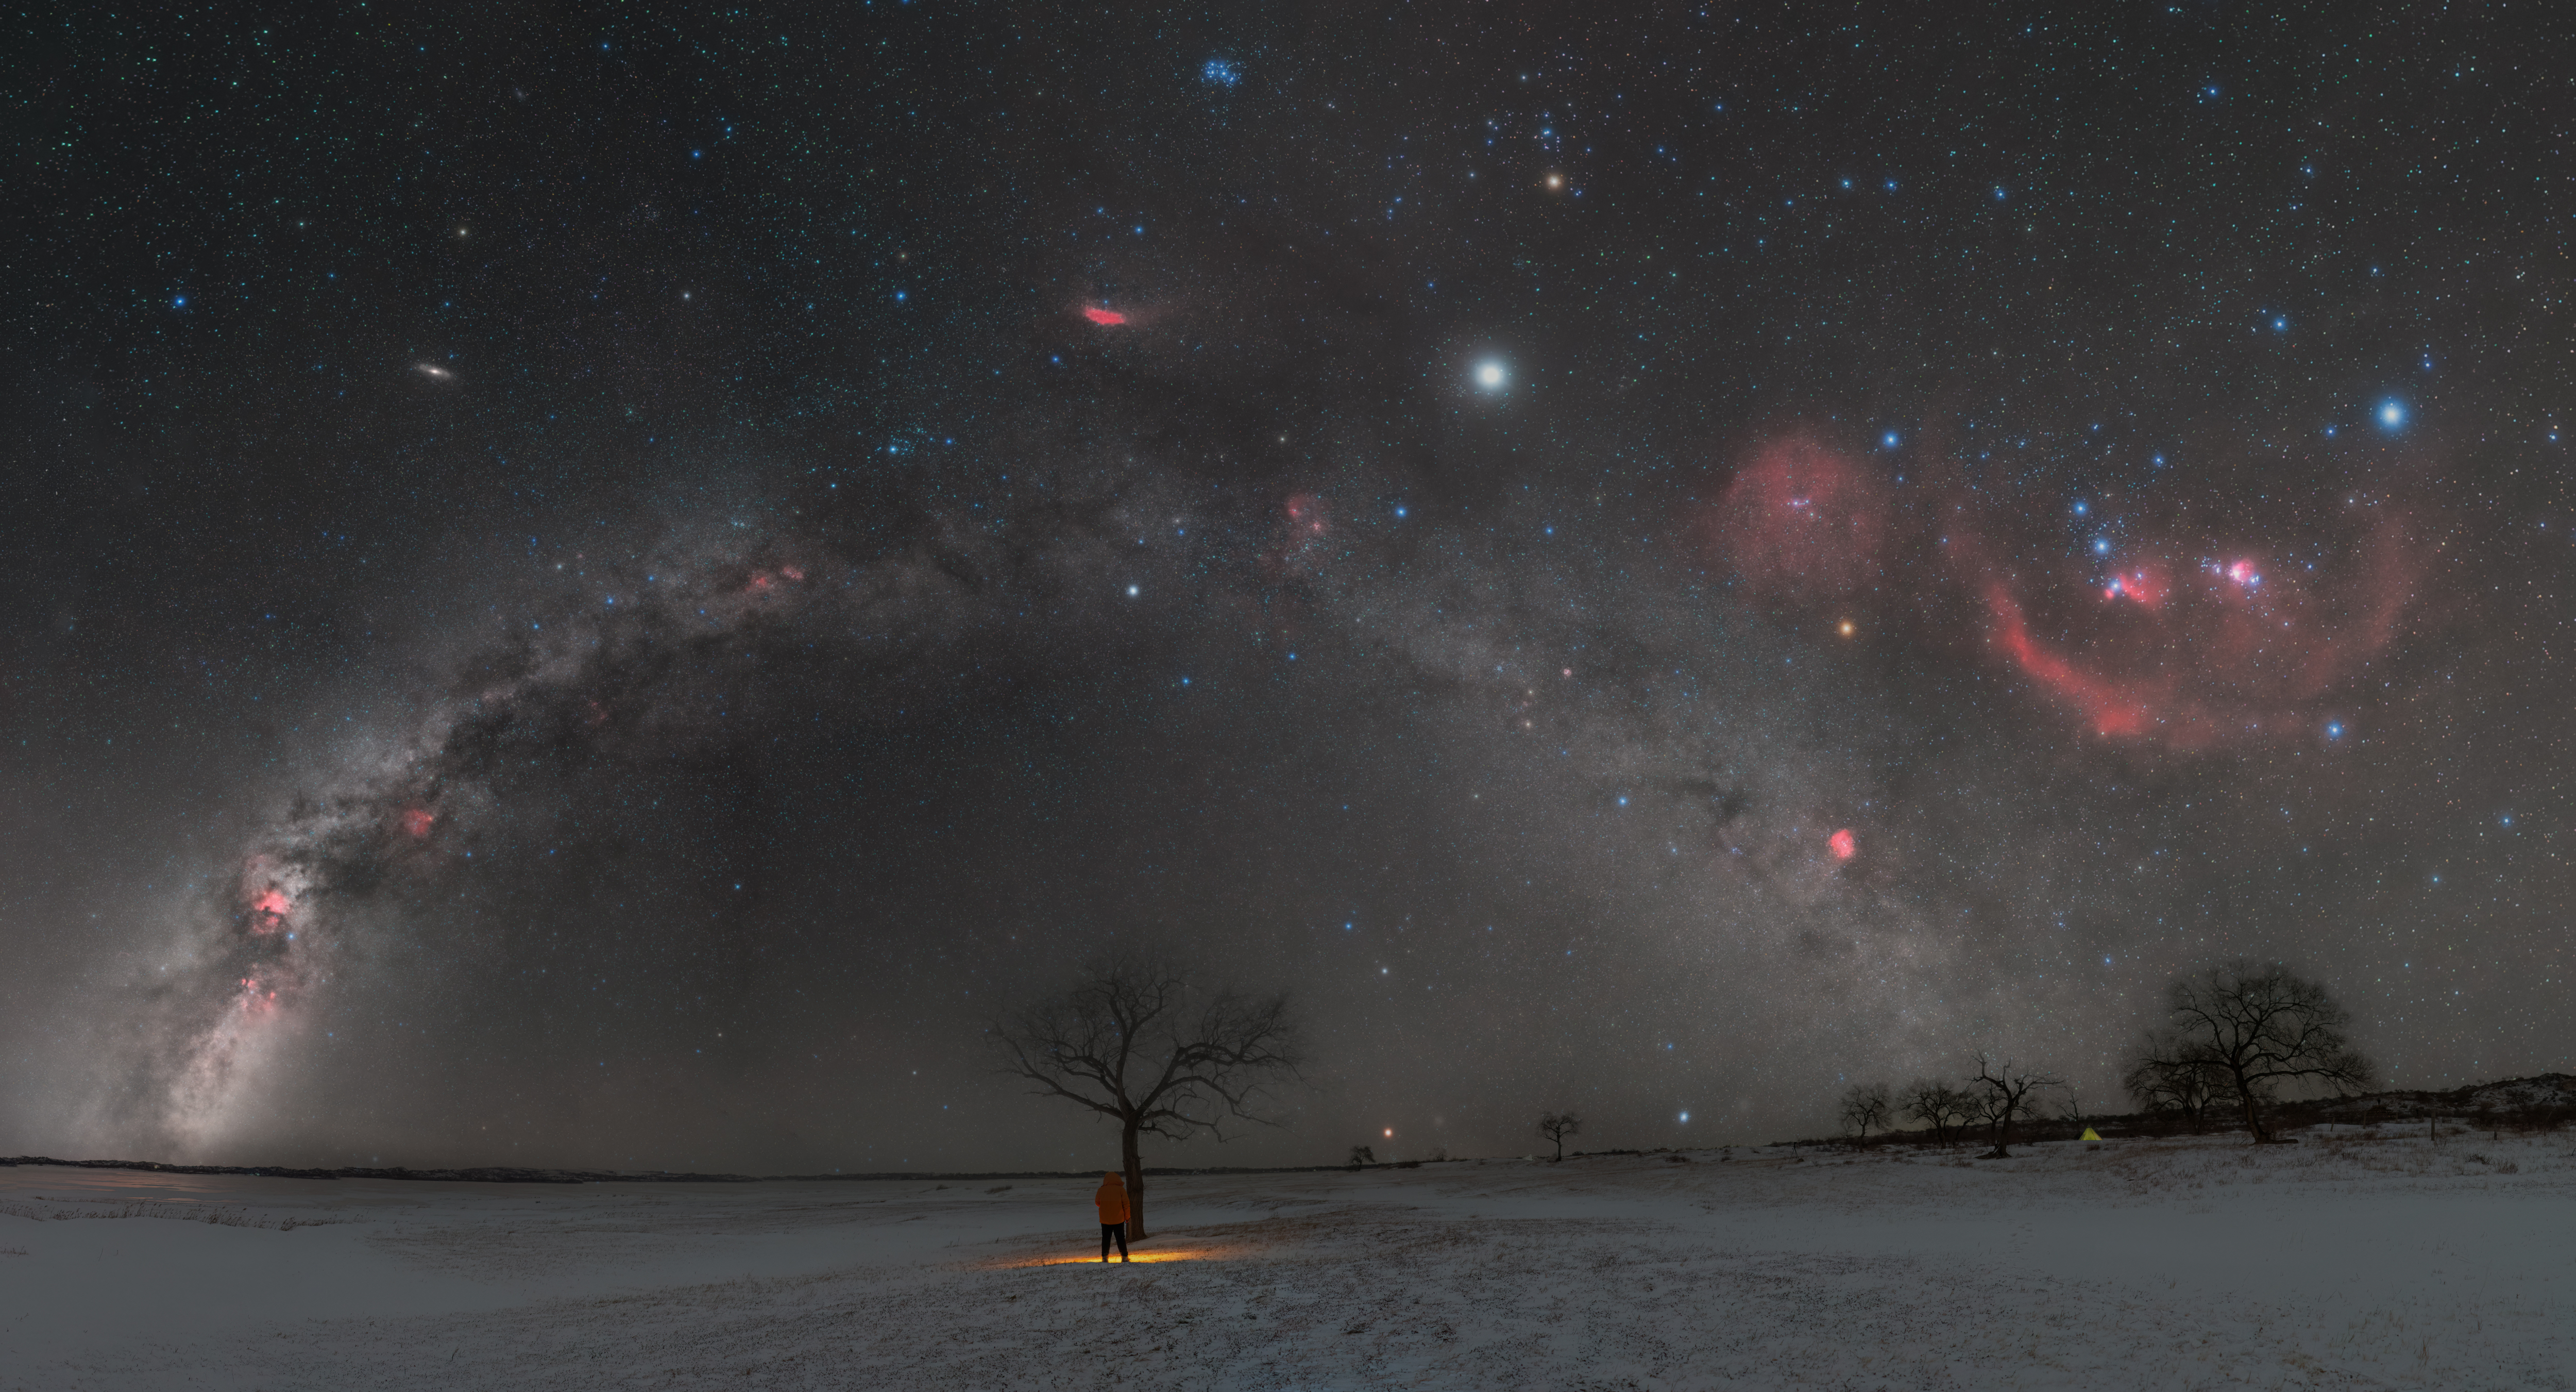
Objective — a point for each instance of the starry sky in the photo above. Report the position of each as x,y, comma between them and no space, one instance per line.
604,586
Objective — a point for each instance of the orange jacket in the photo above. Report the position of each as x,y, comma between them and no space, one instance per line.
1112,1199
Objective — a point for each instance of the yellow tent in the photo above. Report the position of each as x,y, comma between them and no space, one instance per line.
2090,1135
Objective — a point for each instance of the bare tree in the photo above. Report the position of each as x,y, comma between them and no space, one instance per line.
1938,1105
1362,1155
1556,1126
2167,1075
1133,1042
2003,1091
1867,1105
2258,1027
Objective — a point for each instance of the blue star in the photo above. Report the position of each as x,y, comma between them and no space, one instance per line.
2392,414
1220,73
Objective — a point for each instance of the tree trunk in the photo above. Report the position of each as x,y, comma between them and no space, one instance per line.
1135,1183
2253,1114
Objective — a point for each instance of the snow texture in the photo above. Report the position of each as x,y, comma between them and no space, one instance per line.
2354,1260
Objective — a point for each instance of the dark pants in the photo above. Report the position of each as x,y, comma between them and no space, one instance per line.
1118,1231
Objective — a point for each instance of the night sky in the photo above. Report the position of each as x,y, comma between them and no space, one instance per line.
603,586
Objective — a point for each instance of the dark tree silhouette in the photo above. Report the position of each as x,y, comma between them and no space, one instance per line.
1938,1105
1133,1042
2071,1110
1556,1126
2168,1076
2001,1091
2257,1027
1362,1155
1866,1106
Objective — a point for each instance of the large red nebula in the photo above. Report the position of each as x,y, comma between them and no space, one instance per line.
1103,317
2234,648
2112,707
2174,639
1802,519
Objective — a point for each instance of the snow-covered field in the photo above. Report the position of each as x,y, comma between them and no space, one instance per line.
2341,1262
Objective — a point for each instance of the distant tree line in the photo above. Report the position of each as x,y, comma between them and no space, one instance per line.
2235,1037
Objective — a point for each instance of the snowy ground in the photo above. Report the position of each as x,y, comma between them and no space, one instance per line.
2342,1262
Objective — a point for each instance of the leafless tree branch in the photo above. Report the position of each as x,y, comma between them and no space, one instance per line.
1132,1041
2246,1030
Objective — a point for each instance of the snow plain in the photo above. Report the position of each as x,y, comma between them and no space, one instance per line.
2348,1261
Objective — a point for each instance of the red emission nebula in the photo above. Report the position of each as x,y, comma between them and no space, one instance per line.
2146,637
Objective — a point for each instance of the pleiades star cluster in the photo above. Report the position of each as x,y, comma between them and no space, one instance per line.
607,585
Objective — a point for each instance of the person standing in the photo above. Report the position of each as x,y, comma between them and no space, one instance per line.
1112,1199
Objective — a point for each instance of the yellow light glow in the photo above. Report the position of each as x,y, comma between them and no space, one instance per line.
1138,1258
1847,628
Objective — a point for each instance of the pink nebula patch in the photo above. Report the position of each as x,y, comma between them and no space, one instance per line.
1306,513
268,910
1801,519
2230,653
1097,315
2113,709
1303,542
2145,585
1843,844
